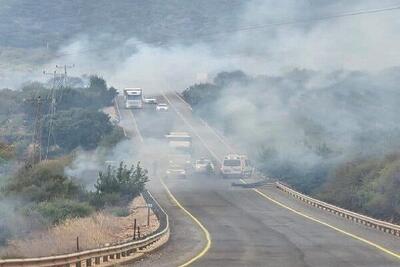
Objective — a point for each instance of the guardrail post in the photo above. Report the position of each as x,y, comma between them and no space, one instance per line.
352,216
148,215
134,229
77,243
103,254
105,258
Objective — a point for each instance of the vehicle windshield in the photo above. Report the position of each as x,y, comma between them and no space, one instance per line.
179,138
203,161
231,162
175,167
134,97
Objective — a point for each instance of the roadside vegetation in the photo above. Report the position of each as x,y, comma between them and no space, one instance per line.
346,156
35,197
370,186
52,197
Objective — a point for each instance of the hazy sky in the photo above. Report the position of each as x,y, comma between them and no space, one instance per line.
364,42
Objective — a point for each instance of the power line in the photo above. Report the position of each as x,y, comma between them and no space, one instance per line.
265,26
65,76
52,113
62,83
303,21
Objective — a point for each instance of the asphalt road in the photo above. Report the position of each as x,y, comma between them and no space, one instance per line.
247,229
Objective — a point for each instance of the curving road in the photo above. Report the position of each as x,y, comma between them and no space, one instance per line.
246,228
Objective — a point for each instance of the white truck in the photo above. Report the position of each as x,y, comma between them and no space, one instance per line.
236,166
133,97
179,154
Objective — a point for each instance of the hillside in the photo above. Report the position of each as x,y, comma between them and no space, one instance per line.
27,24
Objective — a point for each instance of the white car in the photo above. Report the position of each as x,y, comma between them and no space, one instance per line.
162,107
150,101
203,165
176,171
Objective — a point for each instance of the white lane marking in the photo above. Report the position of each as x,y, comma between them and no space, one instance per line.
136,127
356,237
191,127
183,101
362,240
223,141
120,115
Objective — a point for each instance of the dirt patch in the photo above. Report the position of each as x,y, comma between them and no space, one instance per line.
99,230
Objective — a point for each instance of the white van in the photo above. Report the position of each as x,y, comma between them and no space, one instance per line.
236,166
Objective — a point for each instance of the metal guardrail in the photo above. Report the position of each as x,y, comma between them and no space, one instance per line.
358,218
103,255
362,219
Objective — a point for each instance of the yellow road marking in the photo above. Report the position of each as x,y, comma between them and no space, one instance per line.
385,250
205,231
370,243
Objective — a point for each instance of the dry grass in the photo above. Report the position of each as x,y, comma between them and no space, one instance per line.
99,230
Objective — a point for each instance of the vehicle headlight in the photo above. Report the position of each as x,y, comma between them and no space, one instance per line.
168,172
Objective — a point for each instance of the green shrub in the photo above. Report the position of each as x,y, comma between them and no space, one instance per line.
113,138
7,152
61,209
43,182
100,200
120,212
126,182
368,186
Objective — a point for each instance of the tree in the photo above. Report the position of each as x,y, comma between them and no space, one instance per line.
227,78
98,89
201,94
10,102
125,182
79,128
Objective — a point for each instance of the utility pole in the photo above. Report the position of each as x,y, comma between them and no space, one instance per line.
65,67
61,83
36,155
52,112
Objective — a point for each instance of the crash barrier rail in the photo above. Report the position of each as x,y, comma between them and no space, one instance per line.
362,219
105,255
355,217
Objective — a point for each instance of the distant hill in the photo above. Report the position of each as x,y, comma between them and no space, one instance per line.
34,24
